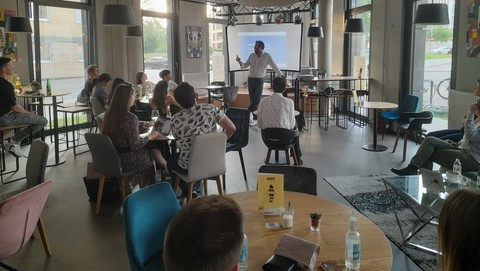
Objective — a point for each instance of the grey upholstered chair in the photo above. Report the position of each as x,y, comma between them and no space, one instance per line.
97,109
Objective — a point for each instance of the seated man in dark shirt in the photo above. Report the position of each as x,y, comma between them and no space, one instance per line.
12,113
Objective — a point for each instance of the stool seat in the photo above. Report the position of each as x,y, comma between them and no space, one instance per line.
280,139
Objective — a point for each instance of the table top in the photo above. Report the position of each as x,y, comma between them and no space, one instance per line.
212,87
333,78
376,253
295,112
379,105
54,93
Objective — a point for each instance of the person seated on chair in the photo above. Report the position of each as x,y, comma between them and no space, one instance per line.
12,113
455,134
117,81
444,152
166,76
122,127
458,233
92,72
100,88
277,111
161,99
206,234
195,119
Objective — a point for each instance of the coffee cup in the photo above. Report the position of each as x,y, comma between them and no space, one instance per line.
452,176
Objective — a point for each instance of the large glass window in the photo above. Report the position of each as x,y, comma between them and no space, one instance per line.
360,42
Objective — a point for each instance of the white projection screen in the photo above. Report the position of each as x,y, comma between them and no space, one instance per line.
282,41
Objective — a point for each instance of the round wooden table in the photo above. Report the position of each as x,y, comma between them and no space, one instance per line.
376,253
375,106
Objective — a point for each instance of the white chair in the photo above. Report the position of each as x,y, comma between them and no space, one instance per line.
207,161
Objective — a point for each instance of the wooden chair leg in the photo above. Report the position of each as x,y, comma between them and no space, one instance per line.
295,157
176,185
405,140
276,156
205,189
43,236
267,160
190,190
396,141
123,187
287,157
219,185
101,184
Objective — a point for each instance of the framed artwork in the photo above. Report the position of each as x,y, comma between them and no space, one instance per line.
473,28
194,42
8,41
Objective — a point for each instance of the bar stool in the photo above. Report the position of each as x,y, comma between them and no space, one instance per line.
75,112
7,132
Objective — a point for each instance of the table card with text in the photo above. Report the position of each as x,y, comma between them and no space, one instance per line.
270,190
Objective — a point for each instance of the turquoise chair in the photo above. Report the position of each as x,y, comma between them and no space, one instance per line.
409,104
146,215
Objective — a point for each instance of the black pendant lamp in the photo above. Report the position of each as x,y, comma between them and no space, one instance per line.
432,14
17,24
354,25
315,32
118,15
134,32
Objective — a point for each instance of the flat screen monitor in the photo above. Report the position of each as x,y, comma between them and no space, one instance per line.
282,41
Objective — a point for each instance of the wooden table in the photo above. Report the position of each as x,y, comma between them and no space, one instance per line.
53,95
376,253
375,106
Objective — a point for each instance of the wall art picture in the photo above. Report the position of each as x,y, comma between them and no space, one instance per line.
473,28
194,42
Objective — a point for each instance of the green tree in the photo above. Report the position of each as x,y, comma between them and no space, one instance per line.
154,37
442,33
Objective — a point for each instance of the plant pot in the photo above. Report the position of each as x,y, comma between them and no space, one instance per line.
315,224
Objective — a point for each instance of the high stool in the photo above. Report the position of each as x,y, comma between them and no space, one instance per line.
5,133
74,111
280,139
34,106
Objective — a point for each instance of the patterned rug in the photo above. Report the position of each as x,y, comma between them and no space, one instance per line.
368,195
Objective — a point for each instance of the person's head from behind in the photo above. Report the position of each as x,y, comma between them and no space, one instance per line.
185,95
206,234
117,81
166,75
279,84
6,66
122,99
141,78
458,231
92,71
259,46
102,80
159,93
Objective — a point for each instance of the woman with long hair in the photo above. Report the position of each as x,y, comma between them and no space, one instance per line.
117,81
458,231
162,99
122,127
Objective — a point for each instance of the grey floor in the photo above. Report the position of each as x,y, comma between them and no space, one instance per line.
80,240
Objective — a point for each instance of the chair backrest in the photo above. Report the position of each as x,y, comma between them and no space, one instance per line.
279,138
146,215
97,108
104,155
408,104
296,179
230,94
217,83
19,215
99,120
416,120
207,156
36,163
240,117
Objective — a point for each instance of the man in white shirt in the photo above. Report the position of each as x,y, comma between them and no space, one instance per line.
277,111
258,62
166,76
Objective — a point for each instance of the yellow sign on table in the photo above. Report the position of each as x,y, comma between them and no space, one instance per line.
270,190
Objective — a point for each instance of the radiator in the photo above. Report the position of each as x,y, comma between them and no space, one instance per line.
458,102
197,80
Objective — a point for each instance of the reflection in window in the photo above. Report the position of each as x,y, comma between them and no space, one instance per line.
157,5
43,13
157,42
360,50
46,52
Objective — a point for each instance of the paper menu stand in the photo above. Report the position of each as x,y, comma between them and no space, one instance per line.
270,191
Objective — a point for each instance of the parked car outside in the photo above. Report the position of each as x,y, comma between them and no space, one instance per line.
156,63
442,50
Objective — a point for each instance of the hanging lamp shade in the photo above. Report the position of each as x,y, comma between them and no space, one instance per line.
432,14
354,25
18,25
134,32
115,15
315,32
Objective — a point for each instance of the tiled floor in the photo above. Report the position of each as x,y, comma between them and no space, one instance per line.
81,240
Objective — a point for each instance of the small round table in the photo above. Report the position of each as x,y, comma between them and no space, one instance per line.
375,106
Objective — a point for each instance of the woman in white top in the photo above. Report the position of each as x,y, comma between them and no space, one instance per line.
162,99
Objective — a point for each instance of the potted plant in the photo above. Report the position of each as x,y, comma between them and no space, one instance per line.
315,221
322,72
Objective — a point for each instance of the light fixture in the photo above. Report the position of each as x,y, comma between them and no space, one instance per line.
354,25
279,19
18,24
233,21
117,15
432,14
298,19
258,20
315,32
134,32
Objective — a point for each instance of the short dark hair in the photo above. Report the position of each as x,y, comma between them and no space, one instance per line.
104,77
279,84
259,42
91,68
185,95
4,61
206,234
164,73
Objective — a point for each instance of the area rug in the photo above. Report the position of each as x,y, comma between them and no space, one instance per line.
369,196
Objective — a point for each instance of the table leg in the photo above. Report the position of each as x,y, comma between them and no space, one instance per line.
55,135
209,97
375,147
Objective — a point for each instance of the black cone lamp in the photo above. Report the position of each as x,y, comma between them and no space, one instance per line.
118,15
134,32
432,14
354,25
315,32
17,24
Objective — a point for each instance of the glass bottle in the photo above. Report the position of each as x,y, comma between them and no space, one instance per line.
244,254
457,167
352,244
18,85
49,87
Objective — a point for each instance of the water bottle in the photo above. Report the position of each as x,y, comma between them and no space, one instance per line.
352,244
49,87
457,167
244,254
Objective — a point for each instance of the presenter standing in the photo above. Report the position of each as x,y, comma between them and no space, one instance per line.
258,62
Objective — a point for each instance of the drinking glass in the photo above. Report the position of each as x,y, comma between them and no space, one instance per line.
287,216
155,115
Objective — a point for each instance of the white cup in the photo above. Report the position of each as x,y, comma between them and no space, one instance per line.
287,216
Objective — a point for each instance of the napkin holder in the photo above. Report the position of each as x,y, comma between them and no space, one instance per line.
303,252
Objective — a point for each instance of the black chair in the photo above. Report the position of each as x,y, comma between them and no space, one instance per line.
296,179
240,117
218,93
229,95
411,124
280,139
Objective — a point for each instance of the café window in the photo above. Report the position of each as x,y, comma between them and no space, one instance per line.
46,52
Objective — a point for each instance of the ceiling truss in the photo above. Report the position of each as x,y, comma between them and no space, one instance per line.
228,9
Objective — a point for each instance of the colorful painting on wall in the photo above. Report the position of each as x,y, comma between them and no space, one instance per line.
8,41
473,28
194,42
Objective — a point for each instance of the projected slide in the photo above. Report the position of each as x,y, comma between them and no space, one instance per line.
282,41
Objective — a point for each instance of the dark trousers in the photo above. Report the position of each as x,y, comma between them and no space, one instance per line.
255,90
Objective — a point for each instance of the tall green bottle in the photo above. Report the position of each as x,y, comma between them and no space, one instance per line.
49,88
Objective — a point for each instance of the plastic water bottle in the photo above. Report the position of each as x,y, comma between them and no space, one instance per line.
244,254
352,244
457,167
